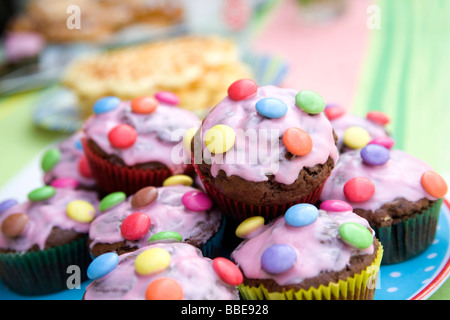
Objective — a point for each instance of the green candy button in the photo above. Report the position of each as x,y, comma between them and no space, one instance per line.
166,235
355,235
50,159
310,102
41,194
111,200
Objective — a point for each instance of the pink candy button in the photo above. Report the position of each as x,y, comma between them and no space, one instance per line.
386,142
65,183
167,97
336,206
196,201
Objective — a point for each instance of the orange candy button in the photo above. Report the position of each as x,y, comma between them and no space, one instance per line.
144,105
164,289
297,141
434,184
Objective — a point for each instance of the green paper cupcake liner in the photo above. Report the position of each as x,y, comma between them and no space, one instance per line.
409,237
46,271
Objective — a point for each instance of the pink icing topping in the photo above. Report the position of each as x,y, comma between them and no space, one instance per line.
243,117
318,247
193,272
397,178
45,215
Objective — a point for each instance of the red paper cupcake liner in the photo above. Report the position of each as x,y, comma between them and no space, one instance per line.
111,178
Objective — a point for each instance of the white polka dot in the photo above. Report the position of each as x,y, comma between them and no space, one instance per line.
392,289
435,241
431,255
429,268
395,274
426,281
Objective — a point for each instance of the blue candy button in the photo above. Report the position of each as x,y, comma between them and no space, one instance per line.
5,205
106,104
375,154
272,108
102,265
301,215
278,258
78,144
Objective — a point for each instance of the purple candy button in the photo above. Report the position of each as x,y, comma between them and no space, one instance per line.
375,154
5,205
278,258
335,206
65,183
196,201
167,97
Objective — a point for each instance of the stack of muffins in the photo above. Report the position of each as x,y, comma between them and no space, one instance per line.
267,197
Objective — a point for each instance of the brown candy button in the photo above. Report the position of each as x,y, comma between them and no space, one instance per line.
14,224
144,197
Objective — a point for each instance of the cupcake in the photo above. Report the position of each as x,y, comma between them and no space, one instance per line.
398,194
354,132
66,165
151,214
42,238
134,144
309,254
264,149
162,271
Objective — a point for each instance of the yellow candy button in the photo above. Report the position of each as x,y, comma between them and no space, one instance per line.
356,137
177,180
151,261
220,138
248,226
80,210
188,138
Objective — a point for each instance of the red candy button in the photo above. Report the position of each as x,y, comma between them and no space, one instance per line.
359,189
434,184
83,167
227,271
164,289
135,226
144,105
334,112
242,89
297,141
122,136
378,117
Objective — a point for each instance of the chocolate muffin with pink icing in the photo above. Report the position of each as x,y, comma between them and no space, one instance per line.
162,271
263,149
155,213
398,194
133,144
309,254
44,238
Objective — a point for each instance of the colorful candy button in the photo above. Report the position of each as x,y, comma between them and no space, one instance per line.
220,138
335,206
378,117
143,105
14,224
278,258
122,136
102,265
434,184
83,167
164,289
359,189
196,201
106,104
356,137
135,226
188,136
242,89
41,194
297,141
386,142
301,215
333,112
271,108
78,144
166,236
355,235
50,159
111,200
6,204
81,211
179,179
310,102
167,97
65,183
144,197
152,261
374,155
249,226
227,271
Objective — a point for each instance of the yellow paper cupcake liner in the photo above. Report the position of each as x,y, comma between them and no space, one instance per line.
359,287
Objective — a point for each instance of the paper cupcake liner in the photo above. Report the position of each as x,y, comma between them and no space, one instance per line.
111,178
45,271
213,247
361,286
410,237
